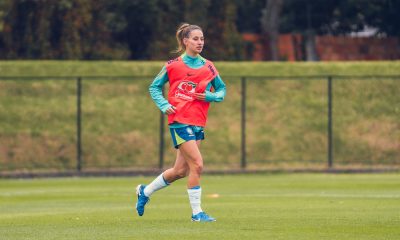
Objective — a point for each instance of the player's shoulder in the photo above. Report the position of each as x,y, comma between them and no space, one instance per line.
205,60
209,63
172,61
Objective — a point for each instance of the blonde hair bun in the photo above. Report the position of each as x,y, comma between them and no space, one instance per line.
184,31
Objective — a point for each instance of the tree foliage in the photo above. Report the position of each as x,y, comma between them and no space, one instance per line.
120,29
382,14
65,29
145,29
270,25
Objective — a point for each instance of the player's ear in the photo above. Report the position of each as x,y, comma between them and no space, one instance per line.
185,41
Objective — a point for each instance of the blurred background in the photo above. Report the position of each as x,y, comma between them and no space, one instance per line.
74,77
286,30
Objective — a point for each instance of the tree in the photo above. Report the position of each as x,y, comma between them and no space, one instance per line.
19,24
310,18
382,14
134,23
194,12
230,35
223,41
65,29
270,25
248,15
4,5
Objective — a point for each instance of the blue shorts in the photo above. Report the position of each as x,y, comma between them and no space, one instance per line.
184,134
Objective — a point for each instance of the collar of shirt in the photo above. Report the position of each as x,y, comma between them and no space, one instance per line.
193,62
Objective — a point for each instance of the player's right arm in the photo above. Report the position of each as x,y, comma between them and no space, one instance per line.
156,93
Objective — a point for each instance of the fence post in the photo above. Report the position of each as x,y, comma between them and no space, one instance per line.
243,124
161,147
79,124
330,133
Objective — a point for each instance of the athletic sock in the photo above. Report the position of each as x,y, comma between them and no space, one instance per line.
195,199
155,185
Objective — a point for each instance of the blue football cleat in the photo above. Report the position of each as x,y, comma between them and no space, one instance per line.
202,217
142,199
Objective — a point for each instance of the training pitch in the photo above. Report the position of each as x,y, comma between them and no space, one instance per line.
272,206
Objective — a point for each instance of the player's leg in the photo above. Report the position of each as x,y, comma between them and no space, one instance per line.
191,153
179,170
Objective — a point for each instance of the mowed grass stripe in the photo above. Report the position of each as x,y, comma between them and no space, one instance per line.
276,206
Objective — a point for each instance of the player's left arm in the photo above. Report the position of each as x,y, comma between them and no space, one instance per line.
220,90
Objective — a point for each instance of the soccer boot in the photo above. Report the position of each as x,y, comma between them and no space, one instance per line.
202,217
141,199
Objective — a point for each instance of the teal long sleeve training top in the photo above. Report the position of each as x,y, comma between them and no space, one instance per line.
157,85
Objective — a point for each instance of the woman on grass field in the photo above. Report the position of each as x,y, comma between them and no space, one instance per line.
191,78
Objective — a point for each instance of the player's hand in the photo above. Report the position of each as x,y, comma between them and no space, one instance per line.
200,96
170,110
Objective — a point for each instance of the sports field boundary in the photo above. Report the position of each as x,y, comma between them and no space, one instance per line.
152,172
331,166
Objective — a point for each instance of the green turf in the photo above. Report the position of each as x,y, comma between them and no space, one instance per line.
279,206
120,123
151,68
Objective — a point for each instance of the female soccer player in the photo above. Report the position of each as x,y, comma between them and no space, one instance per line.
191,78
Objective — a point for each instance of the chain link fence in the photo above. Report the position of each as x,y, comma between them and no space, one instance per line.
108,124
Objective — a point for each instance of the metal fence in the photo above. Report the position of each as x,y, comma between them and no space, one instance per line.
269,122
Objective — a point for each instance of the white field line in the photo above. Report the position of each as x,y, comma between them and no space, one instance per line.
307,195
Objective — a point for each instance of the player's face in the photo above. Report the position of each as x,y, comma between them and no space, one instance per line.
195,42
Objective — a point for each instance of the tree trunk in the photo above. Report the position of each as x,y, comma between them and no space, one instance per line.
270,26
310,46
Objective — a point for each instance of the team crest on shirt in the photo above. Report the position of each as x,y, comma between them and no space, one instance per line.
185,90
189,131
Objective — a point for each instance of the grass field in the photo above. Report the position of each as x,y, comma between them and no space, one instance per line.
277,206
231,69
121,123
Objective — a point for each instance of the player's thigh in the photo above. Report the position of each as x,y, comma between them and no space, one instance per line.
191,153
181,166
198,142
180,162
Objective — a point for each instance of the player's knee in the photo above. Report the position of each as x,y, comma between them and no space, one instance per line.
181,173
197,168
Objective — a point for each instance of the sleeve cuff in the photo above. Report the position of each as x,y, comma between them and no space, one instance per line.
210,96
165,107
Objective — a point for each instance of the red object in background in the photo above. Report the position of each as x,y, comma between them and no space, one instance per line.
329,48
